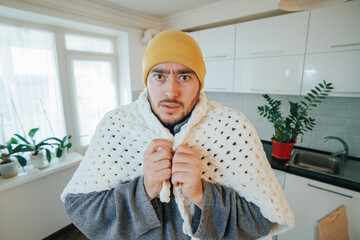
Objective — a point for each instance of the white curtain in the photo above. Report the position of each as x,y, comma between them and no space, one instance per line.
29,85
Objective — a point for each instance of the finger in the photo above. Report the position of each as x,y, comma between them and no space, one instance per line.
179,178
164,174
185,158
182,167
161,165
155,144
160,155
182,148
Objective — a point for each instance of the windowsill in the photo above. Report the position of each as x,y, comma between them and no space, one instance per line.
73,159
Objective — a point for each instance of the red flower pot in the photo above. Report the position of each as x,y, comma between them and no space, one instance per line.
282,150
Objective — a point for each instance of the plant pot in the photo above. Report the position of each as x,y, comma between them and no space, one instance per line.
282,150
39,160
63,156
9,170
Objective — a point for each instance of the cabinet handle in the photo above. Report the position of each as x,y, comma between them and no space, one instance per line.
324,189
263,90
345,45
267,52
214,89
220,56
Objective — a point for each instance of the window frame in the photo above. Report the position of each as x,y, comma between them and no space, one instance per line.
64,71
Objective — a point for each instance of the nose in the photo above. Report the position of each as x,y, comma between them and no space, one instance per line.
172,87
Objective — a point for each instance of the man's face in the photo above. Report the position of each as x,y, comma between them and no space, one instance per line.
173,91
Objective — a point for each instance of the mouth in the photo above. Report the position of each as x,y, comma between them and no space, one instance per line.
170,106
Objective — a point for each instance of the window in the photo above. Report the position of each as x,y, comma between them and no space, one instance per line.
31,90
88,44
29,84
92,62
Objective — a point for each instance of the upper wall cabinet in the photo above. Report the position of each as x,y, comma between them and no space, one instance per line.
217,43
275,36
340,68
272,75
194,35
334,28
219,76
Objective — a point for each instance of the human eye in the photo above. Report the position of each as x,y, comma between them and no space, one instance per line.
184,77
159,77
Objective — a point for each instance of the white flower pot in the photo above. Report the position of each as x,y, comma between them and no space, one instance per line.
38,161
63,156
9,170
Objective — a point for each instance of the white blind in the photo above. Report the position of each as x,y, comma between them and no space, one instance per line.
95,94
88,44
29,86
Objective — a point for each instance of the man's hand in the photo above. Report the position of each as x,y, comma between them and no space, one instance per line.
186,170
157,166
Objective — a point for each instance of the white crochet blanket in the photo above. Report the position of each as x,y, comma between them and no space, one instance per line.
232,155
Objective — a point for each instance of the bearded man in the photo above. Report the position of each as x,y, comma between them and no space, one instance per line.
173,165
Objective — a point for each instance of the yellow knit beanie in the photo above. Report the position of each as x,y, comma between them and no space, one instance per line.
172,46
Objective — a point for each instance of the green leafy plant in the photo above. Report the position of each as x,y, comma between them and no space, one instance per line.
62,145
32,146
10,151
297,122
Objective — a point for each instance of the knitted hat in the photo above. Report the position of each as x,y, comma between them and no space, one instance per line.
172,46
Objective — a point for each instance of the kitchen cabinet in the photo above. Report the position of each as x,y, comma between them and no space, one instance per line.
218,43
194,35
217,46
274,36
340,68
334,28
272,75
280,175
311,200
219,76
270,54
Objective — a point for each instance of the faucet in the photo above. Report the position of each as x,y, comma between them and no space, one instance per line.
342,154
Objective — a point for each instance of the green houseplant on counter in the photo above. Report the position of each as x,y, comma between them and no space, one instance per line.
8,165
288,128
37,149
63,146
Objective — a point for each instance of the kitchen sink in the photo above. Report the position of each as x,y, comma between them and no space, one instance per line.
316,162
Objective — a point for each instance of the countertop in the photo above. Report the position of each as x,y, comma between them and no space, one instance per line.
349,181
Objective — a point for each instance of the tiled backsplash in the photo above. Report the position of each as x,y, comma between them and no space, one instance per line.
336,116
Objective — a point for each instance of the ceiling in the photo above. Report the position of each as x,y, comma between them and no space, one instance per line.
162,8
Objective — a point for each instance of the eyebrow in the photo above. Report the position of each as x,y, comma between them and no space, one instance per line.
180,71
158,70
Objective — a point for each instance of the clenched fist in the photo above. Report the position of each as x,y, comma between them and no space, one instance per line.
157,166
186,170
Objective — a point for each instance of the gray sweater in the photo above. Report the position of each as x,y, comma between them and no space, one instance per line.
125,212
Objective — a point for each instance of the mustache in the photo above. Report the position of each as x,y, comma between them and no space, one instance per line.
168,100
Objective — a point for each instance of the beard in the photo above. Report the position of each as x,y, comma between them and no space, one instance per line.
168,100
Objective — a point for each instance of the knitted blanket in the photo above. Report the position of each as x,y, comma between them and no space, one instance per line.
232,155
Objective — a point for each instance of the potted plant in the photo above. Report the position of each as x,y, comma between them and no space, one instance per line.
37,149
288,128
8,165
63,147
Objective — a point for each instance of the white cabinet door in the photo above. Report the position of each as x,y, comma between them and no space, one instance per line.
312,200
340,68
281,35
219,76
334,28
218,43
280,175
194,35
272,75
